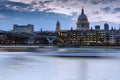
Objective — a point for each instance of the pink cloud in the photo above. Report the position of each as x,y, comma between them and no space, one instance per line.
1,16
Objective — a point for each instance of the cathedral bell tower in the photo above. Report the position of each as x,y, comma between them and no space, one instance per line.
58,26
82,22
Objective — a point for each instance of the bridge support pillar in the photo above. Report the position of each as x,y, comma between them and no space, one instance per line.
50,40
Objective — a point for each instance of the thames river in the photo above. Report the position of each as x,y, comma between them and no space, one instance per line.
61,64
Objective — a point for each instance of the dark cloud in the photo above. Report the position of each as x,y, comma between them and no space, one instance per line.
6,8
42,4
10,3
49,1
82,0
107,1
95,2
106,9
74,14
62,6
68,8
9,6
64,1
23,10
49,9
95,12
11,13
99,17
19,4
118,16
116,10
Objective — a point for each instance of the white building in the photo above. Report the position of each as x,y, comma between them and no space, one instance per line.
23,28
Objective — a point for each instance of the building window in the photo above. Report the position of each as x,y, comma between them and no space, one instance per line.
82,25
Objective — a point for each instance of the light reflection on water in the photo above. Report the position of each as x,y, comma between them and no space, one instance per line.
46,66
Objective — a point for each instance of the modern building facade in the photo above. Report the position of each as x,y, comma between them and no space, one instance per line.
23,28
90,37
106,27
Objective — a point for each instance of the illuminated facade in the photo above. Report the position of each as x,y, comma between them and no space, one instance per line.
91,37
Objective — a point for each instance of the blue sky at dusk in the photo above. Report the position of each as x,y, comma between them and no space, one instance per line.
45,13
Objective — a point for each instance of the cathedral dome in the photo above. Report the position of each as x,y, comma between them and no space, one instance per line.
82,17
82,23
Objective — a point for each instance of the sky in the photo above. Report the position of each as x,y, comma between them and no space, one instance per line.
45,13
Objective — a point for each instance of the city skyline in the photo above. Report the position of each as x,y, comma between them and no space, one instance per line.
45,13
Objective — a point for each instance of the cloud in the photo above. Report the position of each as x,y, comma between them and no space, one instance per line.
23,1
95,12
106,9
94,9
116,10
49,9
57,6
1,16
95,2
30,5
30,1
64,1
5,5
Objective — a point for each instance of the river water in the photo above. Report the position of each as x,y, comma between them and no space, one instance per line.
61,64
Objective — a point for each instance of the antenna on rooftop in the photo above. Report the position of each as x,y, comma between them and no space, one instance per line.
82,4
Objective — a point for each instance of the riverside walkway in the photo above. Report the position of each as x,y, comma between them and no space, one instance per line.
18,46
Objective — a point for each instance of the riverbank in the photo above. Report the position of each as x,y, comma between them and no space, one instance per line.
89,46
60,46
32,48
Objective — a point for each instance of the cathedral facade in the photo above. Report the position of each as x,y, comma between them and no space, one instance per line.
82,22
